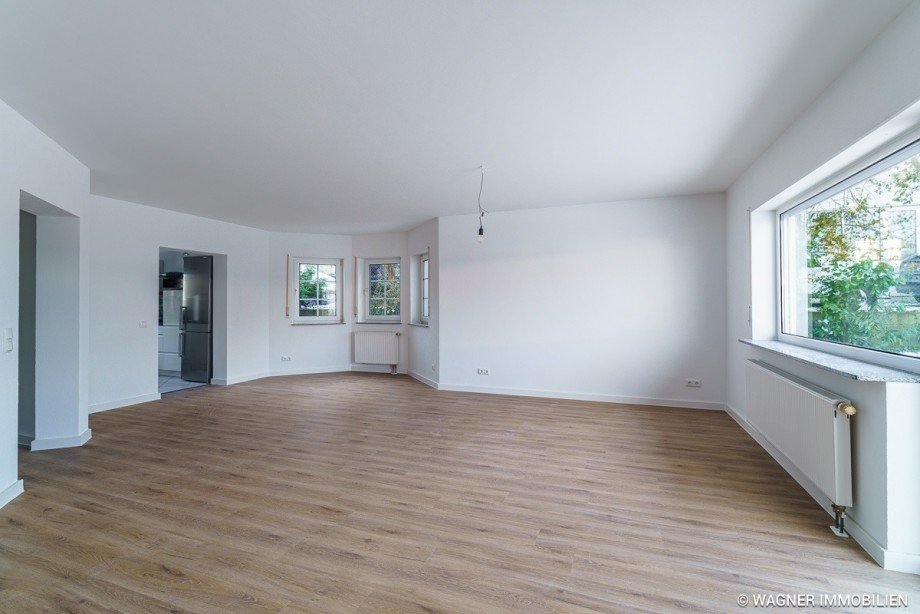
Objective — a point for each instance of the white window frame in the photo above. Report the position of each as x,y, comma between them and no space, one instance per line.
367,263
296,318
868,167
424,287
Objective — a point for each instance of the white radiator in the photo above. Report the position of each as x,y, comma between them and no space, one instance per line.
377,348
806,423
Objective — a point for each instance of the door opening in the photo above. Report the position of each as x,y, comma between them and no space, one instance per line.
186,323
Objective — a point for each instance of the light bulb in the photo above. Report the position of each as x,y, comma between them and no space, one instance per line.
480,238
482,234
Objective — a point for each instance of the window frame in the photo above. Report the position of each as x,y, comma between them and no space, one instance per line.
424,288
868,167
298,319
366,282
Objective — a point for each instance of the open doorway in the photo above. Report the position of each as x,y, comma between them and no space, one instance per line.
50,414
186,320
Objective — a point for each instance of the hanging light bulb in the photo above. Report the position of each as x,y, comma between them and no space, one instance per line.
482,212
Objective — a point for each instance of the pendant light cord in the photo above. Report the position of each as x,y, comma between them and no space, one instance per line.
482,177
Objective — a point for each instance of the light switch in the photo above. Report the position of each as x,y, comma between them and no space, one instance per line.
8,340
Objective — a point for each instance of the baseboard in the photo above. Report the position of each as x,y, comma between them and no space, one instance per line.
375,369
11,492
239,379
578,396
144,398
902,561
425,380
311,370
53,443
856,531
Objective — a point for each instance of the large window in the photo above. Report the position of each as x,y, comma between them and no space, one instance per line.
383,291
850,267
317,299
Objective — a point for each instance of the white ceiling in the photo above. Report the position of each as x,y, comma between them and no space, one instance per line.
356,116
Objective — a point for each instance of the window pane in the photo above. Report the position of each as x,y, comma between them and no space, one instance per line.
308,286
392,272
377,307
378,289
326,272
377,272
425,269
425,308
392,307
392,289
851,273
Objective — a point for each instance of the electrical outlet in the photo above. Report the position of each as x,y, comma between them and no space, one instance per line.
285,359
694,383
481,371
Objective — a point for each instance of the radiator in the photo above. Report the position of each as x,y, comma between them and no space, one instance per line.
807,424
377,348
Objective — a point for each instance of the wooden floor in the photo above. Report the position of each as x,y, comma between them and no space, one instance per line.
358,492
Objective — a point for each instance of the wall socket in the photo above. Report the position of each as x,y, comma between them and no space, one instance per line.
481,371
285,359
694,383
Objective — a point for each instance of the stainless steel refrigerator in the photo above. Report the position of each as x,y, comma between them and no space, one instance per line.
196,319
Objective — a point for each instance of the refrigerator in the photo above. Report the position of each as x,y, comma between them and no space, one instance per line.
196,317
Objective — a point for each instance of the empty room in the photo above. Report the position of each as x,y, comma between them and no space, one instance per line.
459,305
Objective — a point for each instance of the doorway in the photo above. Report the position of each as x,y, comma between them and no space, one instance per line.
186,320
50,410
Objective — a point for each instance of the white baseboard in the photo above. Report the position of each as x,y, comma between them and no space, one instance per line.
239,379
144,398
902,561
311,370
578,396
375,369
856,531
53,443
425,380
11,492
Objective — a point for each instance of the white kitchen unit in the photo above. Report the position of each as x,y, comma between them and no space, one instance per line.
169,349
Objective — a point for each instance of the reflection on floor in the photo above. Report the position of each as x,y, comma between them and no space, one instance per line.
171,383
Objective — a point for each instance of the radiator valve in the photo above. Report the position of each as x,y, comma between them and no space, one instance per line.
846,408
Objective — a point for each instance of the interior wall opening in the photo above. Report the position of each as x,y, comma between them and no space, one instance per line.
192,321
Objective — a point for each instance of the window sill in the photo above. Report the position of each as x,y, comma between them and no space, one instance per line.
317,323
419,324
384,322
847,367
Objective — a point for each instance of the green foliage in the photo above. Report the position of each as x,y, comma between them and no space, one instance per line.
849,278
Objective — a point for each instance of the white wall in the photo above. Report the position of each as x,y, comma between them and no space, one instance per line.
877,87
122,247
423,341
29,161
615,301
313,348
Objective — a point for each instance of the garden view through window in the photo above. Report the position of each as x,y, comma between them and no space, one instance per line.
850,265
383,286
316,290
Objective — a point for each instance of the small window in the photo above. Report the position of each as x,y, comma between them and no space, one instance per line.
850,267
424,298
383,290
316,292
